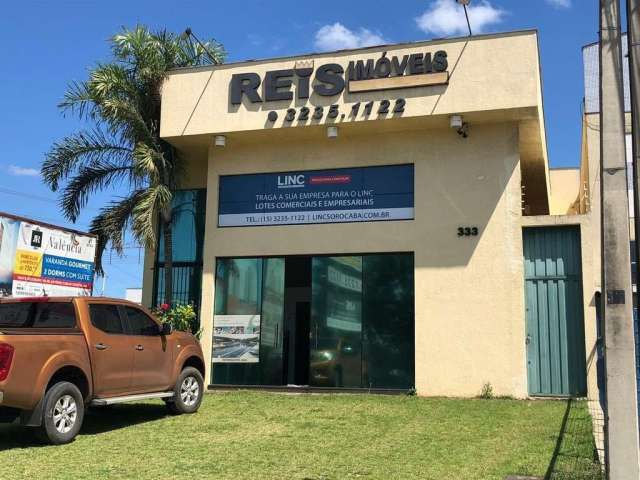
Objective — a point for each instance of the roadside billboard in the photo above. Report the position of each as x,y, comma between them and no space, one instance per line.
367,194
38,259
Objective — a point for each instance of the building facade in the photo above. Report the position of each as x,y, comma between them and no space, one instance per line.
381,219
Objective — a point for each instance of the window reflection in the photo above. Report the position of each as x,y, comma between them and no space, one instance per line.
189,217
238,286
188,208
388,339
336,315
271,344
362,320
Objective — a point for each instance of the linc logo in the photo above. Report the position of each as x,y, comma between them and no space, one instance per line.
291,181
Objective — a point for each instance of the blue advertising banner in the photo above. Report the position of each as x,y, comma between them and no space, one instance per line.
368,194
67,271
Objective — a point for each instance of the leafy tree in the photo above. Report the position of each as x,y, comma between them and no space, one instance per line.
121,102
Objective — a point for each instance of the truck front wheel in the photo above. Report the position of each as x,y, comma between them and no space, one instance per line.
187,394
62,415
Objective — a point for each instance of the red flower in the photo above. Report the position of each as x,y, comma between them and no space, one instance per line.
164,307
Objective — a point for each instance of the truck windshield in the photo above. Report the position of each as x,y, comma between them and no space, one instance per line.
37,315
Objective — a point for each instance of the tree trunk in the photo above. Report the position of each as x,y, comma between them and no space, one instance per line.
168,259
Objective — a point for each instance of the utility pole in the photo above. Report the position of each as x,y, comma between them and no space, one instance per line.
621,406
633,39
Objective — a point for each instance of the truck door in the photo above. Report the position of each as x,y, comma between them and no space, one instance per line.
111,350
153,357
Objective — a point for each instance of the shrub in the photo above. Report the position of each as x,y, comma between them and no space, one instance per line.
181,318
487,391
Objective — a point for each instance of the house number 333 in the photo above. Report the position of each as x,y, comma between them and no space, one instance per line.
467,231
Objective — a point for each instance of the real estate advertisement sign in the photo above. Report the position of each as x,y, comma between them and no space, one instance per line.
38,260
236,338
367,194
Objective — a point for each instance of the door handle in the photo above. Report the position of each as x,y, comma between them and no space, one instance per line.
101,346
139,348
528,340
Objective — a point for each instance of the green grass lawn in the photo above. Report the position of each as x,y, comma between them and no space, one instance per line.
247,435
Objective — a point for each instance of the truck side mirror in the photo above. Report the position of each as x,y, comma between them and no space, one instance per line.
166,329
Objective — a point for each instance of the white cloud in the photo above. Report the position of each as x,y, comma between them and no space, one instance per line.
339,37
559,3
23,172
446,17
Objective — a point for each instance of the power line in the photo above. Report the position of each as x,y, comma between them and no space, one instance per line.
30,196
49,200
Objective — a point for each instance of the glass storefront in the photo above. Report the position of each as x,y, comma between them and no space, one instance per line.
339,321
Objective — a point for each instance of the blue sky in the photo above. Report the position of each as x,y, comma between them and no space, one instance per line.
46,44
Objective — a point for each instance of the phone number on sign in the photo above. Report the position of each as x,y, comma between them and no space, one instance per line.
304,114
280,218
318,217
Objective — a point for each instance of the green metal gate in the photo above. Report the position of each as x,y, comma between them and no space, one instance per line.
556,364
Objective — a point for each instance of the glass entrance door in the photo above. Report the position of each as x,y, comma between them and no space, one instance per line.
271,331
336,322
247,325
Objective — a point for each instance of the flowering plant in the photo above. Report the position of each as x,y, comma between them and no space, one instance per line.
181,318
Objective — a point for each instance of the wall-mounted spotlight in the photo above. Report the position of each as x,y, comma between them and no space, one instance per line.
459,125
332,132
220,141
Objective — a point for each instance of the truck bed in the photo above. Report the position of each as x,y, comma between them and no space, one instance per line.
36,352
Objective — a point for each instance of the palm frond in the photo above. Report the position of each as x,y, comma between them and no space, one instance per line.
78,100
111,224
87,181
126,120
155,200
148,162
77,150
131,44
112,80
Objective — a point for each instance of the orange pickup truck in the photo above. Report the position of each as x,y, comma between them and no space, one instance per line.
61,355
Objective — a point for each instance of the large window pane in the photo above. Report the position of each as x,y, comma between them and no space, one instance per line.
188,226
388,299
238,286
336,322
271,328
238,291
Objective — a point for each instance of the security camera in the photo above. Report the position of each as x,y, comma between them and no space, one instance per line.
456,121
459,125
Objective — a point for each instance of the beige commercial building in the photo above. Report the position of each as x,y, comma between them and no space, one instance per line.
382,219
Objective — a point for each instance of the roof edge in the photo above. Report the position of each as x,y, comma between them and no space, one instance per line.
205,68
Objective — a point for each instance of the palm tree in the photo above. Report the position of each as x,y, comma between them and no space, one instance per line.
121,100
